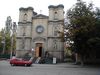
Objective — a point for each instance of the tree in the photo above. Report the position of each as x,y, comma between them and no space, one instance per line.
1,47
8,43
5,42
8,38
82,23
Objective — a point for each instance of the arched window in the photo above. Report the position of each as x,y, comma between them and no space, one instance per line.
25,17
55,15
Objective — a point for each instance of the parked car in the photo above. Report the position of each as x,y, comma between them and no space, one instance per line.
20,61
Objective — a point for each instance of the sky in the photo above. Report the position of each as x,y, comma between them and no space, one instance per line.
11,7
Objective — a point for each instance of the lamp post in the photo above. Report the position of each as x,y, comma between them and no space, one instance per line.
13,30
11,46
33,51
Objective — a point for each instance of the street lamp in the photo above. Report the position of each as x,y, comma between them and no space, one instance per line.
33,51
13,30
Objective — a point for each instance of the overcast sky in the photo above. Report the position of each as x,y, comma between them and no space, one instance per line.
11,7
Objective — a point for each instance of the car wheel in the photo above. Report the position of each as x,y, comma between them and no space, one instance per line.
12,64
25,64
29,65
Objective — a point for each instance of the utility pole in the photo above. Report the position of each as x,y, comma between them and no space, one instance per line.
11,46
13,30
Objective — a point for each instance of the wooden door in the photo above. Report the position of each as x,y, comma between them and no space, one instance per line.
38,49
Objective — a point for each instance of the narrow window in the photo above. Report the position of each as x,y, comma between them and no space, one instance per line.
55,15
25,17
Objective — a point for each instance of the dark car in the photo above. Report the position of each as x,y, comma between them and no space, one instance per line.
20,61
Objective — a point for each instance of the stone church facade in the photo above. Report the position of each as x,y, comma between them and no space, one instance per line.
40,32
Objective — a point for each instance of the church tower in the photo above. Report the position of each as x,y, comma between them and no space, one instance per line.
55,31
23,43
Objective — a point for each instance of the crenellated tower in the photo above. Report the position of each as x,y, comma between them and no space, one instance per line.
55,31
24,36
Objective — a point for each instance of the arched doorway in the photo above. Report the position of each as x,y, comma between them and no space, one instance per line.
39,49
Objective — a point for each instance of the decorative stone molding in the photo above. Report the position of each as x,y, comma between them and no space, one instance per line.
39,39
52,6
40,16
25,9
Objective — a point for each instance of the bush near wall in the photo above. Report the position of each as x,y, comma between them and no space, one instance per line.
4,56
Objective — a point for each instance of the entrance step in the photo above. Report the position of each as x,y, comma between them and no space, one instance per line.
37,60
34,59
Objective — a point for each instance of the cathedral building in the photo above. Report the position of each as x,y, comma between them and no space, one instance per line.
41,33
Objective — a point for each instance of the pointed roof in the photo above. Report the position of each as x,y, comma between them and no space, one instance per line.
39,16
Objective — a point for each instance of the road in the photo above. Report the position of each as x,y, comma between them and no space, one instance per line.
47,69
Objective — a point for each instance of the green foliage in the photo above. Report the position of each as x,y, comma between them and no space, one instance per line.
6,36
84,28
5,56
1,40
8,42
1,43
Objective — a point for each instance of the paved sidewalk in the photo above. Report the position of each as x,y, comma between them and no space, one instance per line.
63,65
66,65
